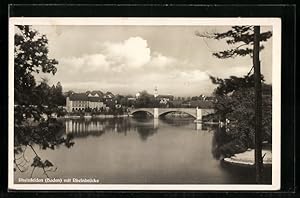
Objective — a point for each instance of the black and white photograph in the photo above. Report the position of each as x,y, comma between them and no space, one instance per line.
144,103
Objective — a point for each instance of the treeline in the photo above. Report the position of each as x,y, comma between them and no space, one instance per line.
146,100
47,95
35,102
234,105
42,94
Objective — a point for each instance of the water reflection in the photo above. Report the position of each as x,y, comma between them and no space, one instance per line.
225,145
145,132
177,121
97,127
220,138
144,151
144,127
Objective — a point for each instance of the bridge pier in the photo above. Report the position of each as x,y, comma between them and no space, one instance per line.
155,123
155,113
198,114
198,126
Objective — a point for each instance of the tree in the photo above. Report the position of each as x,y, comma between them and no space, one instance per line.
59,98
34,123
146,100
195,98
236,101
242,38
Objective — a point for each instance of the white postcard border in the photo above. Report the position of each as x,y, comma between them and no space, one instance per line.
276,98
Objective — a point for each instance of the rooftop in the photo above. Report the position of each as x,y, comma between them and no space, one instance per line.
85,97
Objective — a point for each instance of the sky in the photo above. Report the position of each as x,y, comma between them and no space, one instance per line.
129,59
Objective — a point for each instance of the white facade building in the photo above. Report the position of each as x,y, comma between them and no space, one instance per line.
82,101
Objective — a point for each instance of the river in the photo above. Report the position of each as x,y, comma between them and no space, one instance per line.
142,151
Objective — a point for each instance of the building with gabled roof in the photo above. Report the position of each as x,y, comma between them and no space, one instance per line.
82,101
108,95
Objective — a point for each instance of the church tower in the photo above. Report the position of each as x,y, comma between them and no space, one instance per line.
155,92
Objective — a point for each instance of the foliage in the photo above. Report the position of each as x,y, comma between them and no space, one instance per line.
226,86
146,100
235,102
35,104
58,97
235,95
240,38
224,145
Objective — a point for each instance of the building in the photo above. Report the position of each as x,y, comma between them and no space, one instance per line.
131,99
164,100
83,101
165,97
108,97
95,94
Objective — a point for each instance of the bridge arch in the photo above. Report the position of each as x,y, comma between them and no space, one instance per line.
142,110
193,114
156,112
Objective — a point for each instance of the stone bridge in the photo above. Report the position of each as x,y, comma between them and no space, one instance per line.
156,112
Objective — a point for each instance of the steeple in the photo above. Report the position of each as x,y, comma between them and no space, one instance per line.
155,92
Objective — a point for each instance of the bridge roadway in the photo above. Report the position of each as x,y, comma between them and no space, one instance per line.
156,112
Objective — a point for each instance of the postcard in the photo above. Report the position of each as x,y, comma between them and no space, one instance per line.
144,103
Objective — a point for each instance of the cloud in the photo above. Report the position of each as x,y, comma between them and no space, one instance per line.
130,66
160,61
85,63
126,56
172,80
126,59
193,76
133,52
230,71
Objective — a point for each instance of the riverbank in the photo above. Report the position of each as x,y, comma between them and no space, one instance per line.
95,116
247,158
